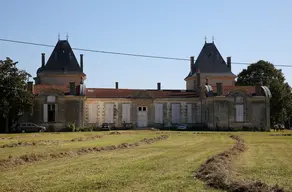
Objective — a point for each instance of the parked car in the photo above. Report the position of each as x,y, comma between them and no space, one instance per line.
181,126
29,127
106,126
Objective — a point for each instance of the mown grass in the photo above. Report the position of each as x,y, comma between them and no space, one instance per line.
167,165
65,146
268,158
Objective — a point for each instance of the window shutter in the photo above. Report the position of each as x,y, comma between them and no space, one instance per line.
45,112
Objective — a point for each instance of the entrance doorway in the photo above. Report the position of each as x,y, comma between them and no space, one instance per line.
142,118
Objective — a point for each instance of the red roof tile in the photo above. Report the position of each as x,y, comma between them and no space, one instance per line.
127,93
130,93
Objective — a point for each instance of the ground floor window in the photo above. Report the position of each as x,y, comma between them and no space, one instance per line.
51,112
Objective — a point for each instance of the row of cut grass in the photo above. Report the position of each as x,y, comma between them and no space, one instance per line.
167,165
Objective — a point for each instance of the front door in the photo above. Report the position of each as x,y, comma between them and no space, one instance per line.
142,118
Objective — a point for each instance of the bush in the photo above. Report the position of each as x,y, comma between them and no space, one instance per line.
88,129
72,127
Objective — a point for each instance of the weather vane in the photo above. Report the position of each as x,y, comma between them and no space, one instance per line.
205,39
58,36
67,37
213,39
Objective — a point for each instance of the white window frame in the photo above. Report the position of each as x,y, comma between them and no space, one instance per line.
175,112
92,113
158,113
109,113
126,112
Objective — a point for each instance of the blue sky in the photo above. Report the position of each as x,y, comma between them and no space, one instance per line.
245,30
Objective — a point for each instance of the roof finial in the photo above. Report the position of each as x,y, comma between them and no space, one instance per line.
213,39
205,39
67,37
58,36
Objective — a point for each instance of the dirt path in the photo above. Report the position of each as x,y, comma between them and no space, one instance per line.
216,172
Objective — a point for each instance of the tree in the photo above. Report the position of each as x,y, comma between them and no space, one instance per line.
281,101
15,99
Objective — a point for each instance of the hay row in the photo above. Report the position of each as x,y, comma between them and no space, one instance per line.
29,158
48,142
216,172
284,134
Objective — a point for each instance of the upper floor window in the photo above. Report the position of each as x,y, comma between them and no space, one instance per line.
51,99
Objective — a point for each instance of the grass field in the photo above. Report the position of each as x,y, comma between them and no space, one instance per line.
268,158
166,165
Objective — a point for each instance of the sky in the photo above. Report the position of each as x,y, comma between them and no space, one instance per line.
247,31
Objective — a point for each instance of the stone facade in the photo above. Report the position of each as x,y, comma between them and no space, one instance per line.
202,104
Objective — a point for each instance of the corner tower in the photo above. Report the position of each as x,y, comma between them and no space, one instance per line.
61,68
212,66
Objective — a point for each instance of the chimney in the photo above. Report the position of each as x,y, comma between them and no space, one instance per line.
159,86
258,87
219,88
192,63
117,85
72,88
30,86
43,59
198,74
81,61
229,63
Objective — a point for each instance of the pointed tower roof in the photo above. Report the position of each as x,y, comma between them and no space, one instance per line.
62,59
210,61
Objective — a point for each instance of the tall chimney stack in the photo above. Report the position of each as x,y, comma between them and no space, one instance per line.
192,63
229,63
219,88
81,61
43,59
117,85
30,86
159,86
198,74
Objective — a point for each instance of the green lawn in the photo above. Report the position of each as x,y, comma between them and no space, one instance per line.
166,165
268,158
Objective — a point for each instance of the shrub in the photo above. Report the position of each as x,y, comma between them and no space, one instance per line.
72,127
87,129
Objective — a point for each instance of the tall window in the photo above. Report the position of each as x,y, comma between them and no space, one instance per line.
239,103
51,112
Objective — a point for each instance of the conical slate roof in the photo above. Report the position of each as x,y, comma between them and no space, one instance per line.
62,59
209,61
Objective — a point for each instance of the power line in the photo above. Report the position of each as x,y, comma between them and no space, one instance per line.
120,53
98,51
